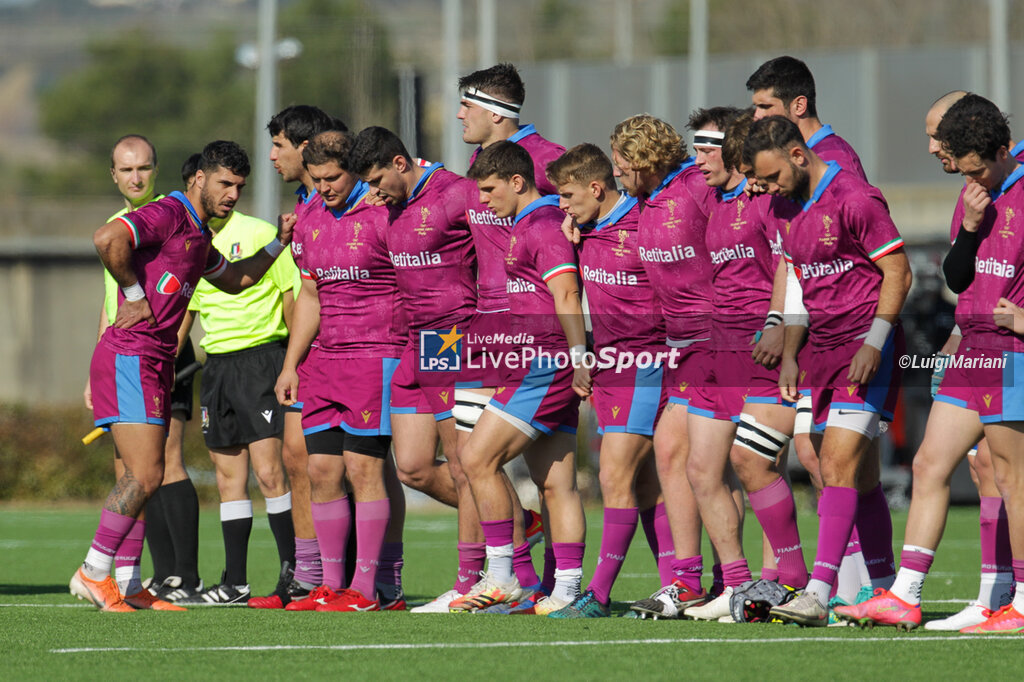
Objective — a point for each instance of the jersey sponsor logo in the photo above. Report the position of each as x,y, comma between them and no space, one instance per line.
168,284
296,248
487,217
738,252
827,269
337,273
440,351
414,260
519,286
673,255
267,414
602,276
991,266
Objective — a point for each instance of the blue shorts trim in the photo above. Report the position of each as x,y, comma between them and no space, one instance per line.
316,429
566,429
643,409
389,366
107,421
440,417
679,401
361,432
406,410
469,384
939,398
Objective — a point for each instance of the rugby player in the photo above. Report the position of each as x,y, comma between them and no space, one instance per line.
157,255
854,277
972,400
539,397
628,327
350,304
651,162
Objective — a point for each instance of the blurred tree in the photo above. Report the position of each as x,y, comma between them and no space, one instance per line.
345,67
557,30
672,34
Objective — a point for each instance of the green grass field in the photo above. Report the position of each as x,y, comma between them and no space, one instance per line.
47,634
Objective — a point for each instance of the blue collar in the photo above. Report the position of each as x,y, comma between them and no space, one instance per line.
687,162
523,131
304,194
549,200
188,206
823,132
734,192
1017,149
423,181
357,193
1012,178
624,206
826,180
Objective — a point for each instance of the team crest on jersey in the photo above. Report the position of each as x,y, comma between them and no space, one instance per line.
509,259
355,243
424,217
739,222
988,399
366,414
620,249
615,412
168,284
828,239
316,233
672,221
1006,232
236,251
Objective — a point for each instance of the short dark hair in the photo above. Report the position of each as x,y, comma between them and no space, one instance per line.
301,122
736,133
375,147
189,168
501,80
583,164
330,145
774,132
503,160
720,117
787,78
974,124
133,136
224,154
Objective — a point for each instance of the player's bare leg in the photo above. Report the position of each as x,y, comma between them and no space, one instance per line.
671,447
415,438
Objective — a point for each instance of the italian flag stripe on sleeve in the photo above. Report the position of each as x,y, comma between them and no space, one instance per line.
886,248
558,270
133,232
306,274
217,270
787,257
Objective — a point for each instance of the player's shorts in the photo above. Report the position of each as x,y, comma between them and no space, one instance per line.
236,396
129,389
436,395
688,370
182,395
487,340
990,382
630,400
304,378
830,389
543,398
734,380
353,394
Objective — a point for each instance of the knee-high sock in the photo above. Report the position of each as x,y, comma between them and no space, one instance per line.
874,527
659,539
371,524
236,526
332,521
181,508
616,534
773,505
837,508
996,559
279,515
472,556
109,535
158,537
128,560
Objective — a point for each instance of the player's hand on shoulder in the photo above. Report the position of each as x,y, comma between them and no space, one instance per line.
374,199
864,364
570,229
131,313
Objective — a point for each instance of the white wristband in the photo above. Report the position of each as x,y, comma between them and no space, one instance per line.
274,248
774,319
878,334
577,354
133,293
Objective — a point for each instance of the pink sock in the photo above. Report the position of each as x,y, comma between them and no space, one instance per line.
522,566
995,536
111,532
371,524
874,527
332,521
547,582
770,574
735,573
688,571
616,534
659,538
471,564
129,553
308,567
498,533
391,563
773,505
568,555
837,508
916,561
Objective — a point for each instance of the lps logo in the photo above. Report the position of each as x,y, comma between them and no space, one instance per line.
440,350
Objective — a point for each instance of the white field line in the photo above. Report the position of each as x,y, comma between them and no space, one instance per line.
517,645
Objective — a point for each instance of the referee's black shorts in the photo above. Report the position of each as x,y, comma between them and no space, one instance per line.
236,396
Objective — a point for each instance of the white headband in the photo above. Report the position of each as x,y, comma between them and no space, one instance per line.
492,103
708,138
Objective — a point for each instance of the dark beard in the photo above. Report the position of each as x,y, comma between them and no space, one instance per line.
207,204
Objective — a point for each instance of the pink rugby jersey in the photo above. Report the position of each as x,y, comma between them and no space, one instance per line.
740,238
537,253
431,249
998,268
345,254
833,241
171,251
671,246
623,308
831,147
